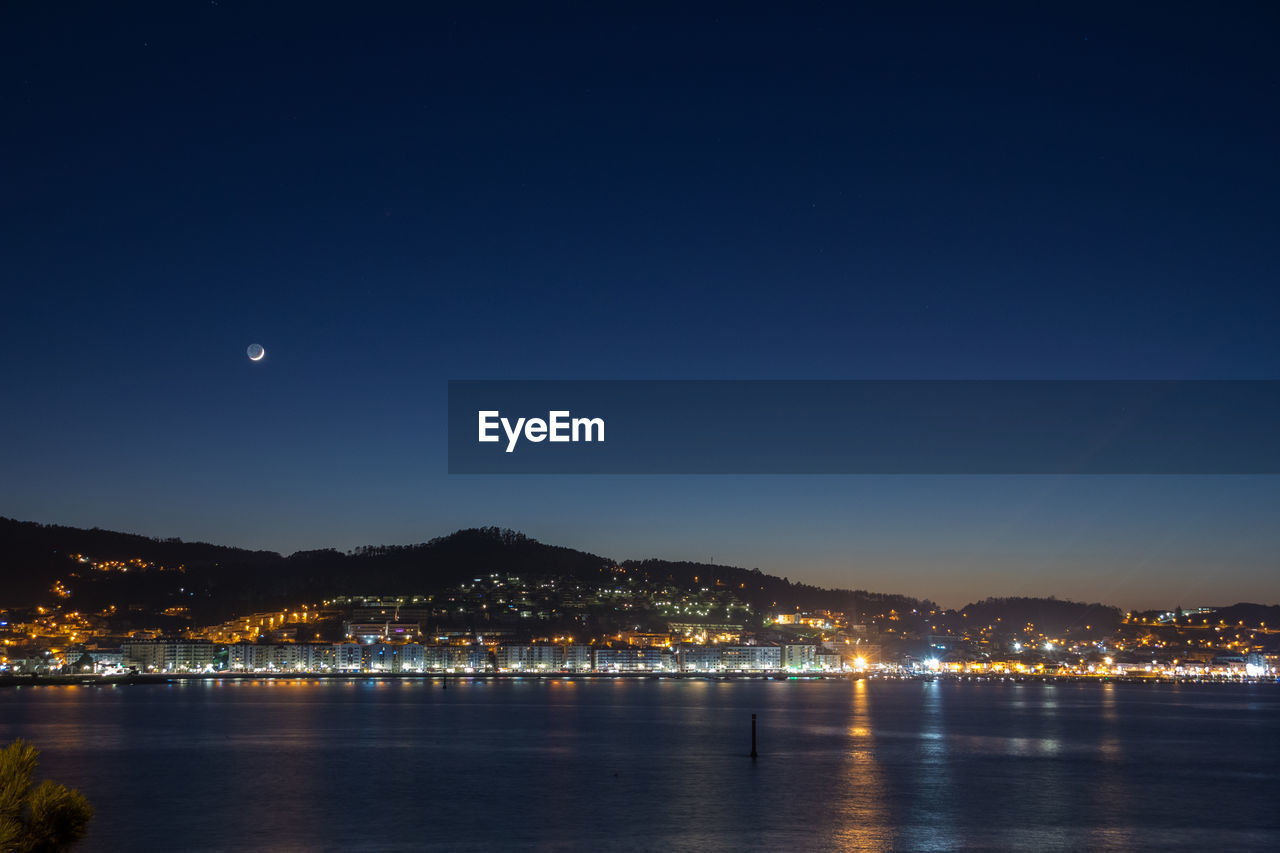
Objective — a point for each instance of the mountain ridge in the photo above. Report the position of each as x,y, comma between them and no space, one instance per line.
38,555
216,581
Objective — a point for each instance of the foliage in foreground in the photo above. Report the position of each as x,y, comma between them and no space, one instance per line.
37,818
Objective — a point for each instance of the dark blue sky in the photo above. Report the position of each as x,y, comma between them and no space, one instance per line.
388,198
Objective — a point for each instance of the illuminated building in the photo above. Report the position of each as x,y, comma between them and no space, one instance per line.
577,657
629,659
750,658
693,657
168,655
374,632
513,657
347,657
799,657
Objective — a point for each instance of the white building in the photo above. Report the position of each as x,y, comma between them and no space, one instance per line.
577,657
751,658
799,657
829,661
629,659
408,658
693,657
540,657
172,655
318,657
347,657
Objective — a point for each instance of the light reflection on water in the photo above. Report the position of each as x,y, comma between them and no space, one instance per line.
564,764
864,821
1111,795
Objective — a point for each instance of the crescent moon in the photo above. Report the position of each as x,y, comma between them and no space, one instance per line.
261,352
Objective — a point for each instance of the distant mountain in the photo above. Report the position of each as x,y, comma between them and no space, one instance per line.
768,592
410,569
1051,616
33,556
217,580
1249,614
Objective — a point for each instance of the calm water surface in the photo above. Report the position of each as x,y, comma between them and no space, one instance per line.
533,764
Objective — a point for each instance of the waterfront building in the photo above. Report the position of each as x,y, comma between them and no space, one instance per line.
465,658
146,655
410,657
751,658
829,661
238,656
694,657
168,655
376,657
538,657
478,659
106,658
436,658
318,657
799,657
347,657
577,657
629,659
287,657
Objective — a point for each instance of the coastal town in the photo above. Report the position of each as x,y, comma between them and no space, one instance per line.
513,624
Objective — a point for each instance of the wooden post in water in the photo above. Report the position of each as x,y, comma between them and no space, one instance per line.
754,754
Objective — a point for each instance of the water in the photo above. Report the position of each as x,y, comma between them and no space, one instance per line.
556,765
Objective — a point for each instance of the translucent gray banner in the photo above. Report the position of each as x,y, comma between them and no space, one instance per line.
864,427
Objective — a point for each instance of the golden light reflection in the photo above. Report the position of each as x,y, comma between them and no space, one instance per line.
865,823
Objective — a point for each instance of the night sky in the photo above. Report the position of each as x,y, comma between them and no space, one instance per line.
391,196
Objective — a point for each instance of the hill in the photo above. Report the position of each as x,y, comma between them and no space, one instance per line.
1051,616
215,581
98,568
768,592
